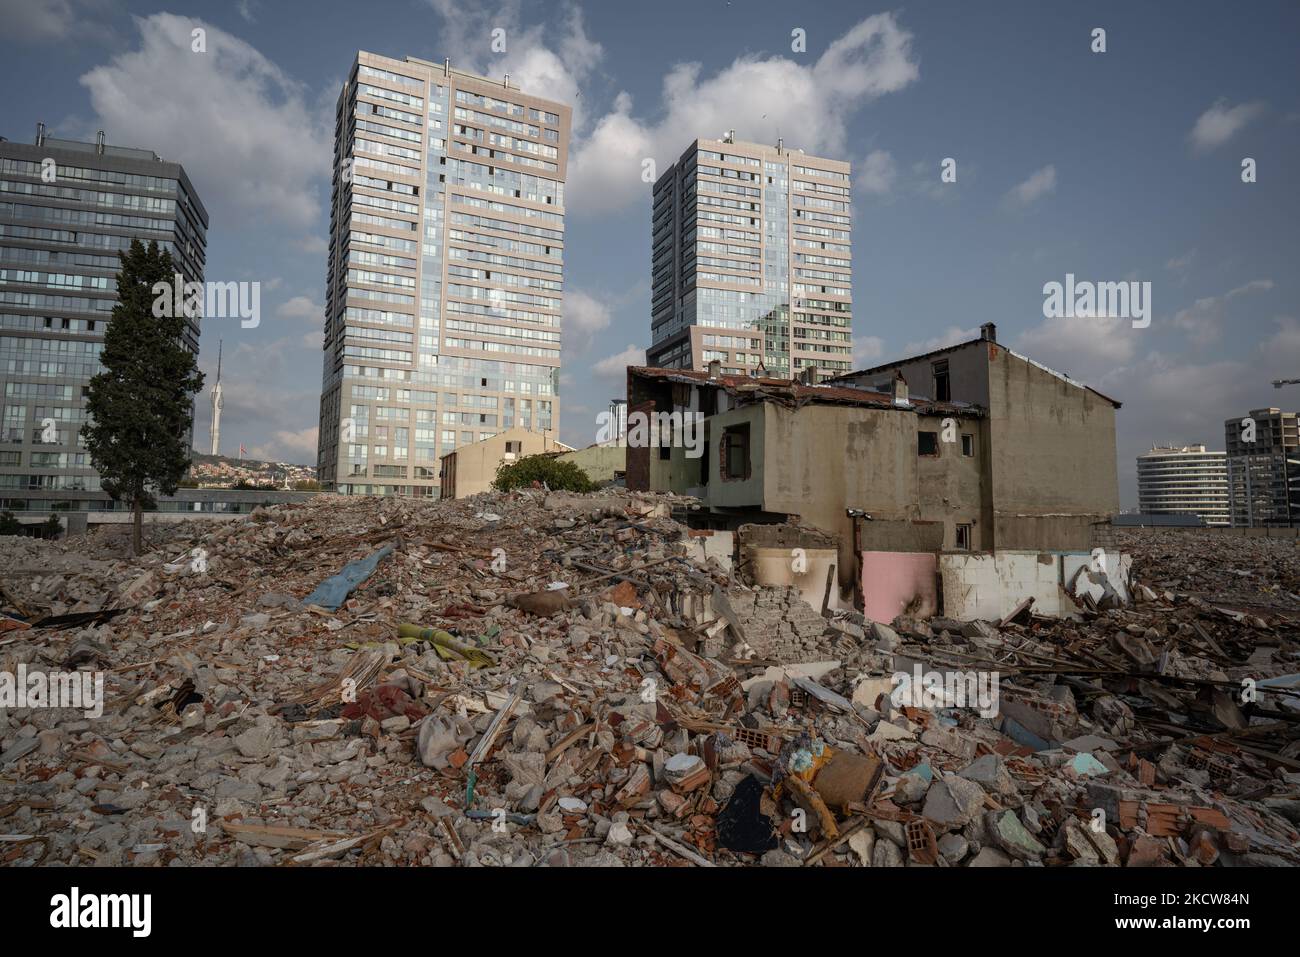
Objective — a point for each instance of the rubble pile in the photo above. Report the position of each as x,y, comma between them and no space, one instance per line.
547,679
1247,572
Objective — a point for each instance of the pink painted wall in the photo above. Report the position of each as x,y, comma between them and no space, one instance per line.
893,581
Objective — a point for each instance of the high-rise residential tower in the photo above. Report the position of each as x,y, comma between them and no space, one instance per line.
443,299
751,261
1264,468
1185,480
66,209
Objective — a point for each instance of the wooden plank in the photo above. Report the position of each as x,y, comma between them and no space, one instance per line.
270,835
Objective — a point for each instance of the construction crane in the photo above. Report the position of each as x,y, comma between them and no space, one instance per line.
1278,383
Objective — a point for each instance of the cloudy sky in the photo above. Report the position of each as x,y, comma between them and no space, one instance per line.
1122,165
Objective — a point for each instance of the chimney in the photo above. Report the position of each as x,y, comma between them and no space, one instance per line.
40,134
808,375
99,142
446,66
715,368
989,332
505,81
900,390
780,145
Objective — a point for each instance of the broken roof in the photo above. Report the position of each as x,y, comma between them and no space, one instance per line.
764,387
884,367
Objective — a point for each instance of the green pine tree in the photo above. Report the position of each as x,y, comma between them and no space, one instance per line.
140,405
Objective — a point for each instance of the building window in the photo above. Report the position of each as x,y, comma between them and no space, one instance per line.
514,448
927,443
941,391
963,538
967,444
735,453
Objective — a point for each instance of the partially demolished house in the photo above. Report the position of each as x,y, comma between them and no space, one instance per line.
968,479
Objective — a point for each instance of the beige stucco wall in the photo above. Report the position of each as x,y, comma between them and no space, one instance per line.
1054,467
476,465
949,486
600,462
844,457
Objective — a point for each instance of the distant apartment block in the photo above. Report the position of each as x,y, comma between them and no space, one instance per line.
67,209
1185,480
751,258
443,299
1263,474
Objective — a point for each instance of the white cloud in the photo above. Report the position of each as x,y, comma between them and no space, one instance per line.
807,105
301,307
584,314
245,8
1181,263
949,337
615,367
1285,342
1203,321
549,60
313,245
38,22
876,173
1086,348
1221,123
1039,184
295,446
240,126
867,349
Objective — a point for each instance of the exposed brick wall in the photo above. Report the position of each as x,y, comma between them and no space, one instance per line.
638,459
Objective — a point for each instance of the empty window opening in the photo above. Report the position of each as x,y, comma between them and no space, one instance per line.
942,393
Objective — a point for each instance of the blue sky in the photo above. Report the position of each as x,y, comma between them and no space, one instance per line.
1122,165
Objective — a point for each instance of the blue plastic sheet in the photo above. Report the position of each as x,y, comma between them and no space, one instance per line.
333,591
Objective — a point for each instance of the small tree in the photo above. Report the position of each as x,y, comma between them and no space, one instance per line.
558,476
139,405
10,525
52,527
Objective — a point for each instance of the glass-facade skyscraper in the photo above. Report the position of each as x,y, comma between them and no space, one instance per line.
446,263
751,261
66,209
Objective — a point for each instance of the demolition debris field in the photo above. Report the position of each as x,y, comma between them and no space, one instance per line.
546,679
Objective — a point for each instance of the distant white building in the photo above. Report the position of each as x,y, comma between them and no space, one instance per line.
1184,480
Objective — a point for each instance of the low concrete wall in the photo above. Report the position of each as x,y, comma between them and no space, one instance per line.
775,568
711,543
990,586
897,583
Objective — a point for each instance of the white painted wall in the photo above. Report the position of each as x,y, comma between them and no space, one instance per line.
989,586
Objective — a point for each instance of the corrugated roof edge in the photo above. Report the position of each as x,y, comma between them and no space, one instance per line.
822,393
